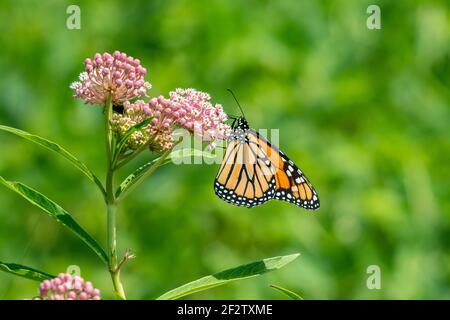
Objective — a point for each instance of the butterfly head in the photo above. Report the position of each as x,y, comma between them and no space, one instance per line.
240,123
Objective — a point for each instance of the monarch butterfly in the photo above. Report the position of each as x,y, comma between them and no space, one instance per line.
253,172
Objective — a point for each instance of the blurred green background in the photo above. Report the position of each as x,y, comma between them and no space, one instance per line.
365,113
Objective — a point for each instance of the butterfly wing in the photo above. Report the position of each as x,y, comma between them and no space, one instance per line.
246,176
291,184
254,171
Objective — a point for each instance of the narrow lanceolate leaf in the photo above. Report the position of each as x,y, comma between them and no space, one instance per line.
59,150
289,293
24,271
239,273
145,170
139,175
56,212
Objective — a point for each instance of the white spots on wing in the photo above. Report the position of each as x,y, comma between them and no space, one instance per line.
231,197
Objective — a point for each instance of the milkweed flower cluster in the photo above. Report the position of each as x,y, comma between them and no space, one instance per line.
196,113
123,77
120,75
156,135
68,287
185,108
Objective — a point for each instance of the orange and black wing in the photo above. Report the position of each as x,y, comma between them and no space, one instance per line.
246,176
291,184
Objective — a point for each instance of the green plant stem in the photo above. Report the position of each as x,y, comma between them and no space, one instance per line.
149,171
114,270
126,160
111,207
108,133
111,212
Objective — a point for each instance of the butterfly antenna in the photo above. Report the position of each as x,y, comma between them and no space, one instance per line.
235,99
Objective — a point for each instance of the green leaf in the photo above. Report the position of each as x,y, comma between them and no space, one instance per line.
24,271
138,175
289,293
59,150
242,272
144,171
56,212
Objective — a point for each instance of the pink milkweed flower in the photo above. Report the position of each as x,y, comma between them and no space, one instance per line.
198,115
67,287
186,108
120,75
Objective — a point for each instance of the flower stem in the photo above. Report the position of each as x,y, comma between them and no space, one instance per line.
126,160
111,207
114,270
111,211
